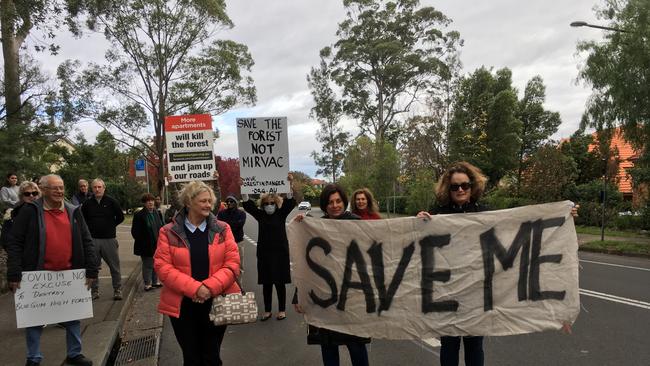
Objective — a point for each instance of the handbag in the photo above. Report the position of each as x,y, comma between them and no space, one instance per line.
232,309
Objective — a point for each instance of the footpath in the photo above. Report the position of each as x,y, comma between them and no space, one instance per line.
98,333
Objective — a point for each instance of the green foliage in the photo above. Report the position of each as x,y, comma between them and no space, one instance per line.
537,123
617,247
502,198
165,61
371,164
126,191
327,111
548,175
588,197
617,70
386,55
484,129
420,192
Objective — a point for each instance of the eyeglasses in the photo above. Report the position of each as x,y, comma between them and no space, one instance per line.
33,194
465,186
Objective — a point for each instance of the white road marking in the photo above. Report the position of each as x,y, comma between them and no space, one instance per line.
616,265
618,299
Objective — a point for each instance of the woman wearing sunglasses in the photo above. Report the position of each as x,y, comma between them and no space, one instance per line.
273,268
27,192
459,189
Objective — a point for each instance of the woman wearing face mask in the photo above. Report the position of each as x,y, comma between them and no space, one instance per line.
272,247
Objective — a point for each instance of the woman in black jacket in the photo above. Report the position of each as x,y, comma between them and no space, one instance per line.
272,247
334,201
144,229
458,191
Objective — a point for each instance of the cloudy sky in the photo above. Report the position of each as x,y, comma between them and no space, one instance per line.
284,36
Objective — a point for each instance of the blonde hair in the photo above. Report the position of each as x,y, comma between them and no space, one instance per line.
372,204
193,189
476,178
271,197
28,184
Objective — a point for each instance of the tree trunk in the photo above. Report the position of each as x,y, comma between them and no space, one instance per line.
10,47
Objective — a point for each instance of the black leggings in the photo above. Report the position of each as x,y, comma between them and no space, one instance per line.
267,289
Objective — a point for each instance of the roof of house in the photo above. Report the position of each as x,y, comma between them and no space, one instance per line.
626,154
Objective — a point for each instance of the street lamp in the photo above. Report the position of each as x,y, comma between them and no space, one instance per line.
580,23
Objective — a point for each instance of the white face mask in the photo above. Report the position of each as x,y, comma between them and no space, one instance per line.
269,209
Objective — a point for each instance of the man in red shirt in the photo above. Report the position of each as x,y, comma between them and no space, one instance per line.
51,234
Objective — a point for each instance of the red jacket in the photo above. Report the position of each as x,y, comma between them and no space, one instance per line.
365,215
172,263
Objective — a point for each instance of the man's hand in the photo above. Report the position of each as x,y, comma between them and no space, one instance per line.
13,286
298,309
89,282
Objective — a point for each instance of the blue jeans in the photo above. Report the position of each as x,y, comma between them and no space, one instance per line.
72,339
358,354
450,346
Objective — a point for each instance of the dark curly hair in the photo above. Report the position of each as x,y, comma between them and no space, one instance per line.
329,190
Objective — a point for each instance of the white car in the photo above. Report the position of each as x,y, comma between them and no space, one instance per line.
304,205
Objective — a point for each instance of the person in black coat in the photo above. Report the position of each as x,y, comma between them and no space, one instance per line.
144,229
236,218
272,247
334,201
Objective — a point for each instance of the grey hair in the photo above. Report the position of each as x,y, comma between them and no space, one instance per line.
98,180
45,180
193,189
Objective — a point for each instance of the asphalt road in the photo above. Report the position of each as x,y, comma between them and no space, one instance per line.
613,327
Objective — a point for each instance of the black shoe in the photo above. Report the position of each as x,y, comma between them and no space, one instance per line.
32,363
79,360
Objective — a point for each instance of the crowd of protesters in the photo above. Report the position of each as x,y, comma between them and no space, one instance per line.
194,251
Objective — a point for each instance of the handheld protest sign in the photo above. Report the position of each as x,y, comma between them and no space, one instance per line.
484,274
189,147
263,154
49,297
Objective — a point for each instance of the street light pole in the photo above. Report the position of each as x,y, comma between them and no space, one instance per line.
585,24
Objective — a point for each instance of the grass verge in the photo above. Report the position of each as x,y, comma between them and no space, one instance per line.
594,230
617,247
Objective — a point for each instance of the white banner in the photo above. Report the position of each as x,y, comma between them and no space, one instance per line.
48,297
491,273
263,154
190,142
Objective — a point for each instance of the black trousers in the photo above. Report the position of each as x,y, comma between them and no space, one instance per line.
198,337
267,290
450,346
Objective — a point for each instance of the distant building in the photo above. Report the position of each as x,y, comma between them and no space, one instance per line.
66,144
318,183
627,156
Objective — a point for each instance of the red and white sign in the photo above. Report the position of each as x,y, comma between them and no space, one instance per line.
189,147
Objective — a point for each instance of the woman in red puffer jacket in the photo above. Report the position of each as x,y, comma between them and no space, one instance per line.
196,260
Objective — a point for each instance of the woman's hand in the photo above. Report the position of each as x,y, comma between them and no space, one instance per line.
202,294
298,309
290,177
574,211
566,328
424,215
240,181
299,218
215,175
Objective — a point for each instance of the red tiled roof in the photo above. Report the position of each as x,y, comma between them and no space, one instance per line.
626,155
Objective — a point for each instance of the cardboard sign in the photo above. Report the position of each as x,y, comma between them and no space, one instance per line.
49,297
263,154
189,147
492,273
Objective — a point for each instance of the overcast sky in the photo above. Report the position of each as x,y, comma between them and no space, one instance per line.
284,37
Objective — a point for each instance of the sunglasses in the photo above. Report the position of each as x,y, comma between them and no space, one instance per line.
465,186
27,194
